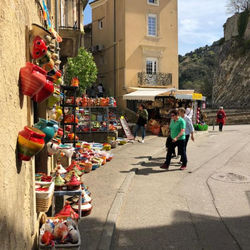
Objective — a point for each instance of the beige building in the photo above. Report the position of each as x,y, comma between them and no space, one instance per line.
135,44
18,218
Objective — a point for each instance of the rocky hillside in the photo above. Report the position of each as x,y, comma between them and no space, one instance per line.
222,71
231,86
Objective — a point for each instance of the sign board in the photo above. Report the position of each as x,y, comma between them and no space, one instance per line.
197,96
126,128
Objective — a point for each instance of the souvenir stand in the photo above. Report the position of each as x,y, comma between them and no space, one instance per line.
159,102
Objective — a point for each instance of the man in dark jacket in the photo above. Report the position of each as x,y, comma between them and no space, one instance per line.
142,121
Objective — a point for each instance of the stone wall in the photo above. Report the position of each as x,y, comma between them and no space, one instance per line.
17,207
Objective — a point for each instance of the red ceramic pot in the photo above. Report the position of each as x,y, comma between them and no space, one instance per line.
33,79
30,142
45,92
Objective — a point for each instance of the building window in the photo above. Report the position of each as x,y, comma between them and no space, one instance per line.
152,25
151,66
153,2
100,24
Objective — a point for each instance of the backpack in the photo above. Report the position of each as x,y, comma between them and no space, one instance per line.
219,116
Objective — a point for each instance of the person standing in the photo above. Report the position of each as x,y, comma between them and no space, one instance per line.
177,134
189,111
189,128
142,120
100,90
221,118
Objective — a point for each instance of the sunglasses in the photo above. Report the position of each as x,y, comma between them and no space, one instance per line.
172,115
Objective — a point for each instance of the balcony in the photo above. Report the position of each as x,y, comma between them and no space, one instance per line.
155,79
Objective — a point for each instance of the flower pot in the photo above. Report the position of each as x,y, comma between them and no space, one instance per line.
155,130
45,92
30,142
32,78
48,127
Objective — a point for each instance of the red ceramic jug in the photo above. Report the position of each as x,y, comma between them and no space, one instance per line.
45,92
33,79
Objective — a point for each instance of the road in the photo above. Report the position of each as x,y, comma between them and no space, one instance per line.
205,206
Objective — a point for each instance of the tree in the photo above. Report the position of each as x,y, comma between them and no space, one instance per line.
83,67
236,6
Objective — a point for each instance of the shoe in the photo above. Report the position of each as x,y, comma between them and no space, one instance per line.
183,167
164,166
142,141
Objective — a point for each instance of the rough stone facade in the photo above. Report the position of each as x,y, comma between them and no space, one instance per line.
18,218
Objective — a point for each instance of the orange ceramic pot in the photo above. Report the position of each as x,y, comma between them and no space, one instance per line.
30,142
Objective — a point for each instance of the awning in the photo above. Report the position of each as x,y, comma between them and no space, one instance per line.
148,94
190,97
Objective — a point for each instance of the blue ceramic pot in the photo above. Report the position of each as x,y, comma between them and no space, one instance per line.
48,127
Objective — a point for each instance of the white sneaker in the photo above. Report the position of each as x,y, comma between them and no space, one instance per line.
142,141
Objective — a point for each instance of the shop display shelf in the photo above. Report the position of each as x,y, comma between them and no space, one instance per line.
69,123
69,193
69,105
64,87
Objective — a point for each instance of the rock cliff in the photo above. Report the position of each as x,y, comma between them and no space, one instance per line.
231,83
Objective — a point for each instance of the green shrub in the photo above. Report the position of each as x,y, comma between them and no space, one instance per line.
242,22
200,127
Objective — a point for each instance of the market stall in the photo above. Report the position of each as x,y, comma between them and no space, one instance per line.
159,102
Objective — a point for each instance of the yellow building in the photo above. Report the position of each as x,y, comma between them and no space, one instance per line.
135,44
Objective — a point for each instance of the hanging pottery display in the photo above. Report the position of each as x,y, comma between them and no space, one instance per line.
48,127
39,48
33,79
45,92
30,142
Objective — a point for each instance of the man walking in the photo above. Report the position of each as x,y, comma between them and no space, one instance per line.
189,127
177,134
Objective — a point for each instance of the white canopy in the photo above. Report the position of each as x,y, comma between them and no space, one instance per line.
148,94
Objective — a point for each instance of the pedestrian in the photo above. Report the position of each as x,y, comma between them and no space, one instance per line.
142,120
100,90
221,118
177,134
189,111
189,128
92,92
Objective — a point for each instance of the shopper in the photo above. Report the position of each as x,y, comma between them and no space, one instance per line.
189,111
100,90
189,128
177,134
221,118
142,120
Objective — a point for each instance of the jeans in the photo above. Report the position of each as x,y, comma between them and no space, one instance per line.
220,126
182,150
137,127
186,142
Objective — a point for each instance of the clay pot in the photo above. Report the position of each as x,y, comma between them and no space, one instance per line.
48,127
45,92
30,142
32,78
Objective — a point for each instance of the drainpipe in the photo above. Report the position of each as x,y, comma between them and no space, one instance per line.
115,48
56,15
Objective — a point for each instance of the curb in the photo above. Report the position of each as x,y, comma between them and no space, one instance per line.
110,225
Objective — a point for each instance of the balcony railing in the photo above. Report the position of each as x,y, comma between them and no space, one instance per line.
155,79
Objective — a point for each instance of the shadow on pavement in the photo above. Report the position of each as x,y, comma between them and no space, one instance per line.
186,232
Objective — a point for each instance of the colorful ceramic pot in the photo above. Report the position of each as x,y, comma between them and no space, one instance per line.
32,78
45,92
39,47
48,127
66,212
30,142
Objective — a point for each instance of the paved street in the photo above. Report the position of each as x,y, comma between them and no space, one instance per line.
203,207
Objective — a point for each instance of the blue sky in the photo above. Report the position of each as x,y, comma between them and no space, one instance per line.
200,22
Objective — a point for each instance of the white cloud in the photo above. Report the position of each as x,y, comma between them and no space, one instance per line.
200,23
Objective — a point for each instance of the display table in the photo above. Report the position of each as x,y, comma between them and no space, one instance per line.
69,193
